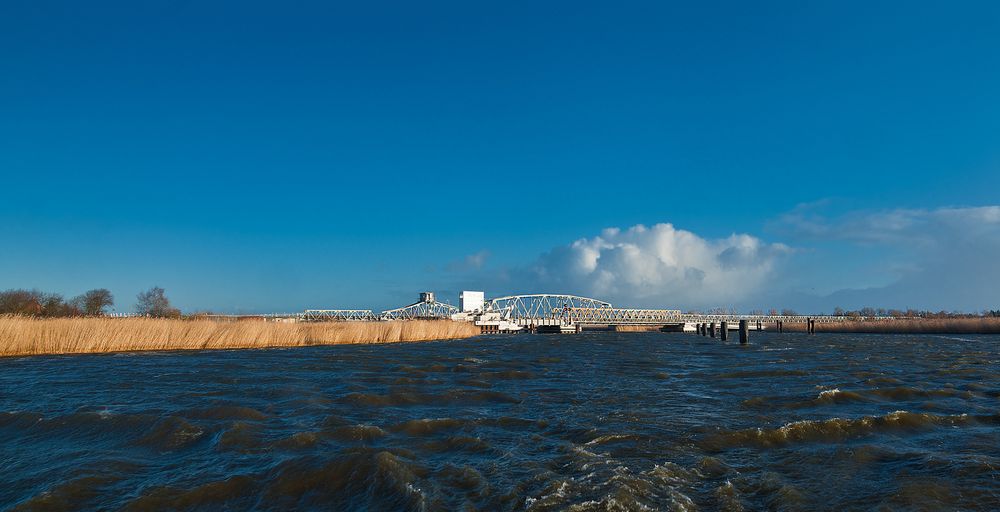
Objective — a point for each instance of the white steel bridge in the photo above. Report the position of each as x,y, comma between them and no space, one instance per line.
551,310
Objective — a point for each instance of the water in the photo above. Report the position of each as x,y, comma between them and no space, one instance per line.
599,421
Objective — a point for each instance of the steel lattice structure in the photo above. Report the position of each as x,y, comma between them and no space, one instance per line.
546,309
620,316
542,306
420,310
338,315
823,319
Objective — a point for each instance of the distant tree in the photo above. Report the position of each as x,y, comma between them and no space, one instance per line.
788,312
93,302
773,312
838,311
35,303
154,302
53,305
20,302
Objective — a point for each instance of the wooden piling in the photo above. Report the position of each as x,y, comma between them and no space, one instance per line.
724,333
744,332
711,329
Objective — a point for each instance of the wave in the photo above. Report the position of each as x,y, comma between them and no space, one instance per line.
364,433
431,426
403,398
837,429
224,412
612,438
234,493
763,373
170,434
836,396
358,478
242,437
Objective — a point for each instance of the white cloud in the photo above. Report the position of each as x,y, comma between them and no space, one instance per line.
657,266
473,261
909,226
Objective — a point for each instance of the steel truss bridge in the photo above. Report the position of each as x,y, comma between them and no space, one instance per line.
338,315
555,309
546,309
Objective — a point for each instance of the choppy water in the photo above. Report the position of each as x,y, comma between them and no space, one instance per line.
596,421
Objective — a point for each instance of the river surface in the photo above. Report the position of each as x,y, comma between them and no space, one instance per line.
597,421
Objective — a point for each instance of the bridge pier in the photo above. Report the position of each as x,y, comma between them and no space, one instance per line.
744,332
711,329
725,331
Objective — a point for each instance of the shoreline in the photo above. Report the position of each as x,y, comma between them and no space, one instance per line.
25,336
977,325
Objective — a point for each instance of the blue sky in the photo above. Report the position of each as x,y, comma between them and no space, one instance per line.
262,157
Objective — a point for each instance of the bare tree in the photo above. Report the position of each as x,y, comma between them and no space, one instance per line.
154,302
93,302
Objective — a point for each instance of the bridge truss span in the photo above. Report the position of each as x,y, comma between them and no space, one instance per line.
420,310
541,306
338,315
621,316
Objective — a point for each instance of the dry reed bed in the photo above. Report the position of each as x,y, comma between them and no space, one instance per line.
33,336
985,325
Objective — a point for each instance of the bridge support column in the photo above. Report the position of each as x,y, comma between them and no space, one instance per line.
711,329
744,332
724,332
704,329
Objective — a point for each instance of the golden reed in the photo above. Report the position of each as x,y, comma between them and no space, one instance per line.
976,325
20,336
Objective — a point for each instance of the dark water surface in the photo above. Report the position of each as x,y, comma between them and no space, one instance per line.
598,421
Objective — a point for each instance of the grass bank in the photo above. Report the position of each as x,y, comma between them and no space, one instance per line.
21,336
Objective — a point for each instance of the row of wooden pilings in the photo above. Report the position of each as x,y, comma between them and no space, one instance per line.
779,326
709,330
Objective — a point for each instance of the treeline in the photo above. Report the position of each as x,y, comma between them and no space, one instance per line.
914,313
97,302
867,313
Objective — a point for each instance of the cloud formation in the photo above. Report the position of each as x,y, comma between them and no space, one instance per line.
943,258
926,227
470,262
656,266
